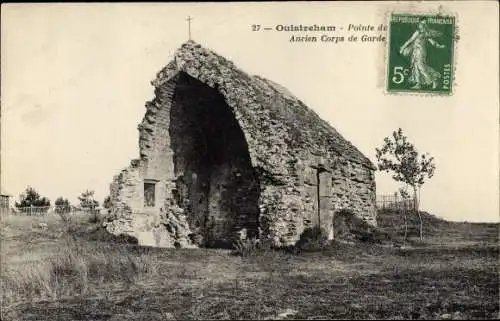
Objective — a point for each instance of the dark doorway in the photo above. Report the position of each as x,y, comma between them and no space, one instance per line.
322,203
216,183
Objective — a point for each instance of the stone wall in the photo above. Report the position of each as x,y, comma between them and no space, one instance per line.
263,175
294,207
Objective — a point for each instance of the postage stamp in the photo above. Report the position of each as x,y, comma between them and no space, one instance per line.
420,53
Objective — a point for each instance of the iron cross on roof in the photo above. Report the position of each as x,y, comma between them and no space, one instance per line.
189,26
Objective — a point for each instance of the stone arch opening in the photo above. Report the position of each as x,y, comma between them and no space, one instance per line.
216,184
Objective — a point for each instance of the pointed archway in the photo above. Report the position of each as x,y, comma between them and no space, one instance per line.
216,184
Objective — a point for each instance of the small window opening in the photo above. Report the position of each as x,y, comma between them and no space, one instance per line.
149,194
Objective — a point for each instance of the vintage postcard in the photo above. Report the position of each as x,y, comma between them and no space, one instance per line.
249,161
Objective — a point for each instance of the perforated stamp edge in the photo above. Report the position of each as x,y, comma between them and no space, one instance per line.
413,9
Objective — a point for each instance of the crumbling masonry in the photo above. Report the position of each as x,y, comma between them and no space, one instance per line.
225,155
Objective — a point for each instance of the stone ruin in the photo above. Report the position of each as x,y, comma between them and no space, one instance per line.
225,156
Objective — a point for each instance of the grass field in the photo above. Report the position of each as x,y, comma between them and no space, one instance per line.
75,271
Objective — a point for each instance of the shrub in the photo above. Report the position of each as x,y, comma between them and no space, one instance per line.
197,239
99,234
62,205
349,227
245,247
107,204
30,202
312,239
252,246
87,202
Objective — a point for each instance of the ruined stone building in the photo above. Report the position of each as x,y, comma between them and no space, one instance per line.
226,155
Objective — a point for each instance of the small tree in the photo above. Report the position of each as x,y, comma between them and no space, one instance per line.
400,157
31,198
405,196
62,205
87,202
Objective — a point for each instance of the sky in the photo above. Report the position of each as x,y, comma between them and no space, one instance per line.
75,79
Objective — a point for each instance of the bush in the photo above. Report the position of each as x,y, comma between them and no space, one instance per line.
245,247
31,199
99,234
87,202
197,239
62,206
252,246
312,239
349,227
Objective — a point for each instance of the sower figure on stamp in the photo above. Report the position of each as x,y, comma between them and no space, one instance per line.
415,47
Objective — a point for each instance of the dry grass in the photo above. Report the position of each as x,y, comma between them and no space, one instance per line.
73,267
82,274
75,271
437,231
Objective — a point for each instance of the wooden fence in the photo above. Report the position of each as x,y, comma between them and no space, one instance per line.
44,210
395,201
